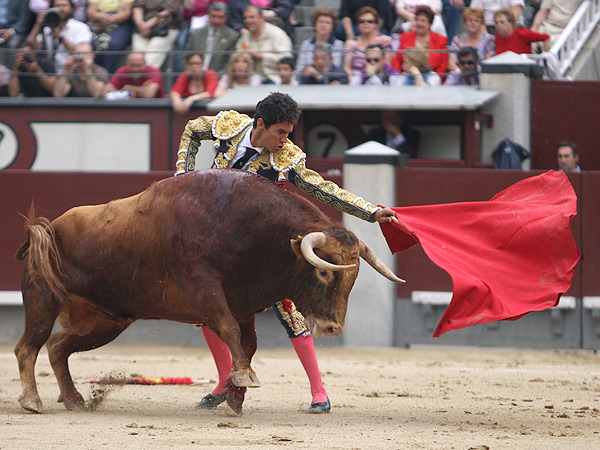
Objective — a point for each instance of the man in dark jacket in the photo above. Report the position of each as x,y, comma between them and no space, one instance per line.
14,27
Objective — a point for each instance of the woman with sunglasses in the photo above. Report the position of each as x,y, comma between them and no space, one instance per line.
423,38
368,24
474,37
348,25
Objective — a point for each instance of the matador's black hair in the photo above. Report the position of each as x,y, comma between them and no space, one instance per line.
277,107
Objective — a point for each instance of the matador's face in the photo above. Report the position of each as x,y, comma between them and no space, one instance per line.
276,136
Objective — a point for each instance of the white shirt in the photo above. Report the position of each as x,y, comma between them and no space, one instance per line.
245,143
75,32
211,38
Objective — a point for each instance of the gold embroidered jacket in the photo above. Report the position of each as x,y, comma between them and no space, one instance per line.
227,130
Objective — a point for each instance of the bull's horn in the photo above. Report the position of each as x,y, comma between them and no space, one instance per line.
317,240
377,264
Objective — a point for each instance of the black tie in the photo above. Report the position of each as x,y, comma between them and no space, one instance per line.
250,152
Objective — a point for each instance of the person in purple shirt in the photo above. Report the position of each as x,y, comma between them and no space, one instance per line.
467,73
376,71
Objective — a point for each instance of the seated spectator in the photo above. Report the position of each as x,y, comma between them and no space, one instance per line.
216,41
553,16
376,71
276,12
567,154
405,13
80,76
285,70
79,6
509,38
418,71
423,38
239,72
324,21
396,134
14,27
468,72
349,26
266,43
136,80
5,74
111,27
32,76
60,38
193,84
157,23
194,15
368,24
489,8
323,70
474,37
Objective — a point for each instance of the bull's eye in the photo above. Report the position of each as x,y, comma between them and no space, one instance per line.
324,275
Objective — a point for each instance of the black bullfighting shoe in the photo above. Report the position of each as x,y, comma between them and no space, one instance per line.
320,408
212,401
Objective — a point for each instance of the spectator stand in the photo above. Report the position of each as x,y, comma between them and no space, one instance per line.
574,62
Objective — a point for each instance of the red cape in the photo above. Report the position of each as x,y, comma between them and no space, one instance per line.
508,256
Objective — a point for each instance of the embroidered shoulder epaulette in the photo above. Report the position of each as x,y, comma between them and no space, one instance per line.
287,159
228,124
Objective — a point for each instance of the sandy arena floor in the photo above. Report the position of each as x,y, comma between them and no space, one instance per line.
420,398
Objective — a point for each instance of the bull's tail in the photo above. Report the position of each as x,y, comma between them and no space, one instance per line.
40,253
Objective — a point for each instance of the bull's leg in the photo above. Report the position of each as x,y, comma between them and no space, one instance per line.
249,345
41,310
230,333
64,343
235,395
215,313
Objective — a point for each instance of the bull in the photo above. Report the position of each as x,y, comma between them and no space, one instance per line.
214,247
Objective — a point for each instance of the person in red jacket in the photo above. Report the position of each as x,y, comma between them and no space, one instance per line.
510,38
422,37
193,84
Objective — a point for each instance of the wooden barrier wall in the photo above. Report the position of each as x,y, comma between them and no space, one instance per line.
54,193
564,111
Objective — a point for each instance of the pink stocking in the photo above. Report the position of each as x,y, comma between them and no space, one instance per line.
305,349
222,358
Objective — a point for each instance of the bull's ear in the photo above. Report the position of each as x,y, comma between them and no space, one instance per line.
296,246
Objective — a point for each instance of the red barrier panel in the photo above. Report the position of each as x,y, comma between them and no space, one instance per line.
564,111
54,193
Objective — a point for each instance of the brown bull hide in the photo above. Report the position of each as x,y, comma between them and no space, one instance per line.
209,247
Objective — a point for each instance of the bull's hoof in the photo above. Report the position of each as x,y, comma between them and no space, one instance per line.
31,404
248,379
235,398
254,380
74,403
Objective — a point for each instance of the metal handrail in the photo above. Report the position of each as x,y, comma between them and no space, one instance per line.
576,33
